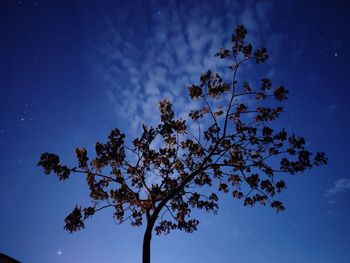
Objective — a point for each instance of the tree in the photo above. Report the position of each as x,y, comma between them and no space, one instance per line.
238,151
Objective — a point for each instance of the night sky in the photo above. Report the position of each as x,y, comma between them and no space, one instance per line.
73,70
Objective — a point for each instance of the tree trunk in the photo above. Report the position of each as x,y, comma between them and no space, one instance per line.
146,250
151,219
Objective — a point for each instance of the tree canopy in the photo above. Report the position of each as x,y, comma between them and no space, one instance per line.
172,168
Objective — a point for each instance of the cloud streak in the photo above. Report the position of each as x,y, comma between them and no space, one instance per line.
339,186
178,45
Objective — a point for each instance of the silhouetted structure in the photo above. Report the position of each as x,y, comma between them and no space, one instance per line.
7,259
170,169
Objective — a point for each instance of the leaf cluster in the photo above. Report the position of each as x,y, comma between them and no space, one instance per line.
237,153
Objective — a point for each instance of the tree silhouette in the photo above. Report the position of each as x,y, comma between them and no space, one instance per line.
233,151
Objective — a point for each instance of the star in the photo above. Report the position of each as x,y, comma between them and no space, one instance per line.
59,252
335,54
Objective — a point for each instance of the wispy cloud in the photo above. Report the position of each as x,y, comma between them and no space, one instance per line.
180,43
332,202
328,111
332,107
339,186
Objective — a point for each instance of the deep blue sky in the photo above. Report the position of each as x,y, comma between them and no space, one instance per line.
73,70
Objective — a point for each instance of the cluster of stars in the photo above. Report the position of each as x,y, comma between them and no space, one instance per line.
23,118
300,50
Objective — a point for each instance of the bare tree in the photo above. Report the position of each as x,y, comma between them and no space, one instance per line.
233,151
